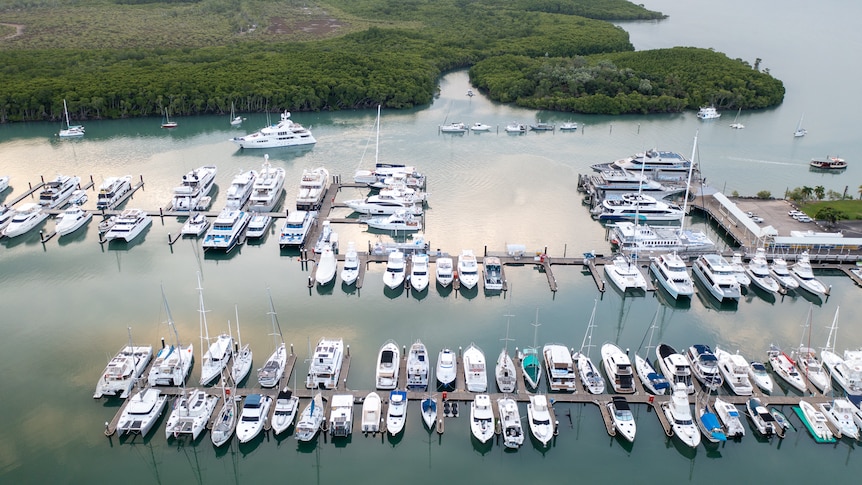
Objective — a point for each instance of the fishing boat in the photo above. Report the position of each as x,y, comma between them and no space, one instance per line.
785,368
444,271
371,413
482,418
393,277
815,421
762,419
312,189
618,368
310,420
190,414
760,376
388,365
475,375
341,416
417,367
802,272
112,190
242,356
653,381
625,274
729,416
173,362
671,272
447,370
539,416
704,366
255,410
531,364
758,271
468,269
841,413
350,269
142,411
327,266
675,367
196,185
590,376
396,414
622,417
285,133
781,272
267,187
286,407
678,413
123,370
71,131
324,370
273,370
510,423
735,370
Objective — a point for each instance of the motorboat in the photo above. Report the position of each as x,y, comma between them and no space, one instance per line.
243,356
781,272
505,372
539,416
393,277
717,276
4,183
622,417
190,414
241,187
112,190
652,160
78,197
475,373
371,413
828,163
678,413
637,206
6,214
327,237
196,185
267,187
516,127
482,418
704,366
380,205
396,414
781,421
327,266
758,271
388,365
625,274
123,370
70,131
350,269
640,238
25,218
419,271
429,411
418,367
310,419
107,223
446,371
560,366
815,421
708,113
129,225
296,227
653,381
444,270
728,414
618,368
286,407
760,376
840,412
540,126
56,193
142,411
324,371
671,272
480,127
785,368
258,225
510,423
738,268
225,421
227,230
621,180
492,272
341,415
455,127
801,271
468,269
762,419
568,126
846,370
675,367
72,219
400,221
708,423
195,225
312,189
285,133
273,370
254,413
382,172
735,370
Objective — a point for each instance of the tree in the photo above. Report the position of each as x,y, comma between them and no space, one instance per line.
860,191
819,191
764,194
829,214
807,191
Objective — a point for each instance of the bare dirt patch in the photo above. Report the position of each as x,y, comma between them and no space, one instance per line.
19,31
315,24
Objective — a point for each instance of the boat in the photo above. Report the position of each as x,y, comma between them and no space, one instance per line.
736,125
781,273
708,422
735,370
327,237
618,368
480,127
166,122
285,133
327,266
708,113
417,367
470,93
846,370
510,423
4,183
286,407
828,163
590,376
841,412
255,410
671,272
531,364
678,413
786,369
802,272
568,126
638,238
324,371
516,127
71,131
129,225
653,381
312,189
296,227
196,185
758,271
622,180
622,417
350,269
800,131
341,416
258,226
738,268
371,413
195,225
762,419
385,205
625,274
482,418
142,411
760,376
429,411
704,366
447,370
637,206
468,269
227,230
224,424
235,120
781,421
444,271
72,219
123,370
652,160
396,414
815,421
6,214
455,127
419,271
218,352
267,187
675,367
400,221
242,356
273,370
78,197
539,416
505,372
540,126
112,190
807,361
56,193
475,375
388,366
241,187
190,414
382,171
717,276
310,419
728,414
393,277
492,272
172,363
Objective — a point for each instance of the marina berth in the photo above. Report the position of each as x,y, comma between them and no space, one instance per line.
622,417
341,415
324,371
618,368
561,368
678,413
285,133
482,418
781,273
444,271
492,272
286,407
24,219
371,413
258,225
388,365
446,371
255,410
475,372
129,225
296,227
112,190
123,370
419,271
671,272
239,192
196,185
735,370
417,367
675,367
717,276
56,193
764,422
738,269
510,422
310,420
350,268
468,269
72,219
267,187
729,416
190,414
227,230
758,271
396,414
224,424
142,411
171,366
539,416
312,189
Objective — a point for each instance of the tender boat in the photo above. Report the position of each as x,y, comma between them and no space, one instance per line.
516,127
618,368
738,268
675,367
327,266
758,271
258,225
417,367
560,366
429,411
195,225
708,113
196,185
760,376
129,225
71,131
781,421
670,271
273,370
625,275
224,424
239,192
227,230
296,227
621,415
785,368
56,193
781,273
255,410
678,412
72,219
637,206
285,133
191,413
505,372
447,370
468,269
704,365
510,423
475,375
444,271
393,277
123,370
480,127
717,276
310,419
350,270
327,237
397,412
815,421
492,272
482,418
540,419
829,163
142,411
388,365
267,187
801,271
341,415
841,413
286,407
735,370
324,370
112,190
312,189
24,219
762,419
708,423
400,221
729,417
453,128
419,271
371,413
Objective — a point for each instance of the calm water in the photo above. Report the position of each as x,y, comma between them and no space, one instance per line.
67,303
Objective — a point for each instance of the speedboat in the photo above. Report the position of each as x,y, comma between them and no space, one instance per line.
129,225
505,372
708,113
492,271
171,366
785,368
516,127
388,365
371,413
196,185
447,370
717,276
112,190
327,237
401,220
285,133
444,271
729,417
397,412
258,225
510,423
480,127
350,270
840,412
341,415
310,420
704,366
531,366
456,127
760,376
327,266
312,189
781,422
123,370
286,407
72,219
801,271
191,413
226,230
482,418
475,375
781,273
254,413
142,411
618,368
758,271
393,277
25,218
670,271
224,424
324,371
621,415
56,193
195,225
417,367
240,190
296,227
762,419
560,366
429,411
419,271
637,206
625,275
735,369
815,421
468,269
738,268
267,187
675,367
678,413
540,418
709,425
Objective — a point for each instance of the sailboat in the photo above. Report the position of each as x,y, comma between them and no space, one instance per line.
531,364
173,362
807,361
652,380
800,131
273,370
71,130
242,355
225,423
214,355
736,124
234,119
167,123
505,371
590,376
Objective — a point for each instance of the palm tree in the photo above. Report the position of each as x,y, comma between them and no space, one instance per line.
860,192
819,191
807,191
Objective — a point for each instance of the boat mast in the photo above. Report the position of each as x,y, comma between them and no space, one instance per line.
176,337
688,183
830,344
806,326
66,112
377,138
588,335
651,331
205,333
275,326
536,330
238,335
507,339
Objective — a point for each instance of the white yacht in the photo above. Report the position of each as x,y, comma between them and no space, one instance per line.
382,171
24,218
195,225
621,415
618,368
447,370
296,227
400,221
286,407
735,370
632,237
112,190
78,197
129,225
590,376
510,422
801,270
224,424
737,266
267,187
142,412
840,412
729,417
324,371
704,366
190,414
255,412
717,276
816,422
419,271
388,365
327,266
625,274
678,412
417,367
55,193
312,189
492,273
444,271
456,127
341,415
760,376
652,160
811,367
675,367
171,366
310,419
123,370
227,230
327,237
637,206
285,133
671,272
72,219
762,419
785,368
371,413
428,407
560,366
196,185
781,272
540,419
505,372
758,271
258,225
468,269
482,418
393,277
384,205
242,355
71,131
239,192
846,370
480,127
350,269
515,127
273,370
396,415
708,113
6,214
475,372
